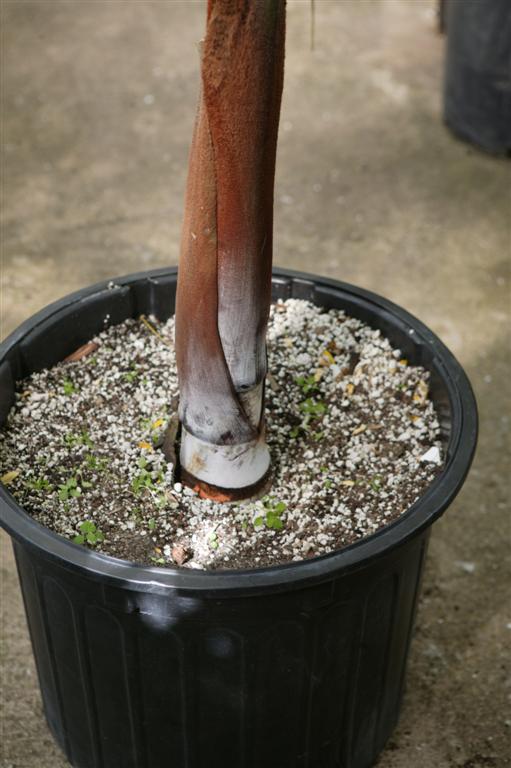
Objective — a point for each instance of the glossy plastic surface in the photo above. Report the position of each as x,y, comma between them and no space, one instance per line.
296,666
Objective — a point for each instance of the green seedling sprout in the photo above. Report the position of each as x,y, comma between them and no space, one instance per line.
307,384
40,484
89,534
146,478
95,463
273,512
83,438
68,387
130,376
313,408
69,490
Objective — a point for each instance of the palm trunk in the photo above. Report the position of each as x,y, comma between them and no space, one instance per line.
224,284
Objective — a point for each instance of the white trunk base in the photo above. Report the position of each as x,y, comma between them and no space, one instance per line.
226,466
229,466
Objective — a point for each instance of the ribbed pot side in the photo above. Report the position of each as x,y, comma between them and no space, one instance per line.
307,678
300,666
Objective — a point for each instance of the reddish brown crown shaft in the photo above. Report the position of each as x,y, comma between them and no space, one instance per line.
226,253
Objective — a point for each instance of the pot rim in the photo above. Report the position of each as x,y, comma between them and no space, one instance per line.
460,451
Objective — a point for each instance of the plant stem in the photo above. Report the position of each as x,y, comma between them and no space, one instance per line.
224,285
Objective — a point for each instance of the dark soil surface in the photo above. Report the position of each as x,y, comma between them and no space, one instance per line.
353,436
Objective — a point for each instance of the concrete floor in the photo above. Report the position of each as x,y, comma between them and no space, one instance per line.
98,105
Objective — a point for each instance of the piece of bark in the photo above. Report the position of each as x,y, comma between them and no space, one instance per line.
180,554
84,351
168,445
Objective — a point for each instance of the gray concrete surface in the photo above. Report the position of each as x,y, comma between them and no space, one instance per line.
98,104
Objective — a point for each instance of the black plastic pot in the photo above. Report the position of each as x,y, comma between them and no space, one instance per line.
477,93
296,666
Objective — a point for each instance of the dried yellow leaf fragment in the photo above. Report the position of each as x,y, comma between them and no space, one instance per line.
359,430
143,319
9,476
421,393
348,483
326,358
403,361
145,445
350,388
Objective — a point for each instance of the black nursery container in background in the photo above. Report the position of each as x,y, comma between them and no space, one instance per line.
295,666
477,92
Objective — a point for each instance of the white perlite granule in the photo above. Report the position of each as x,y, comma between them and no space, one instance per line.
353,436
